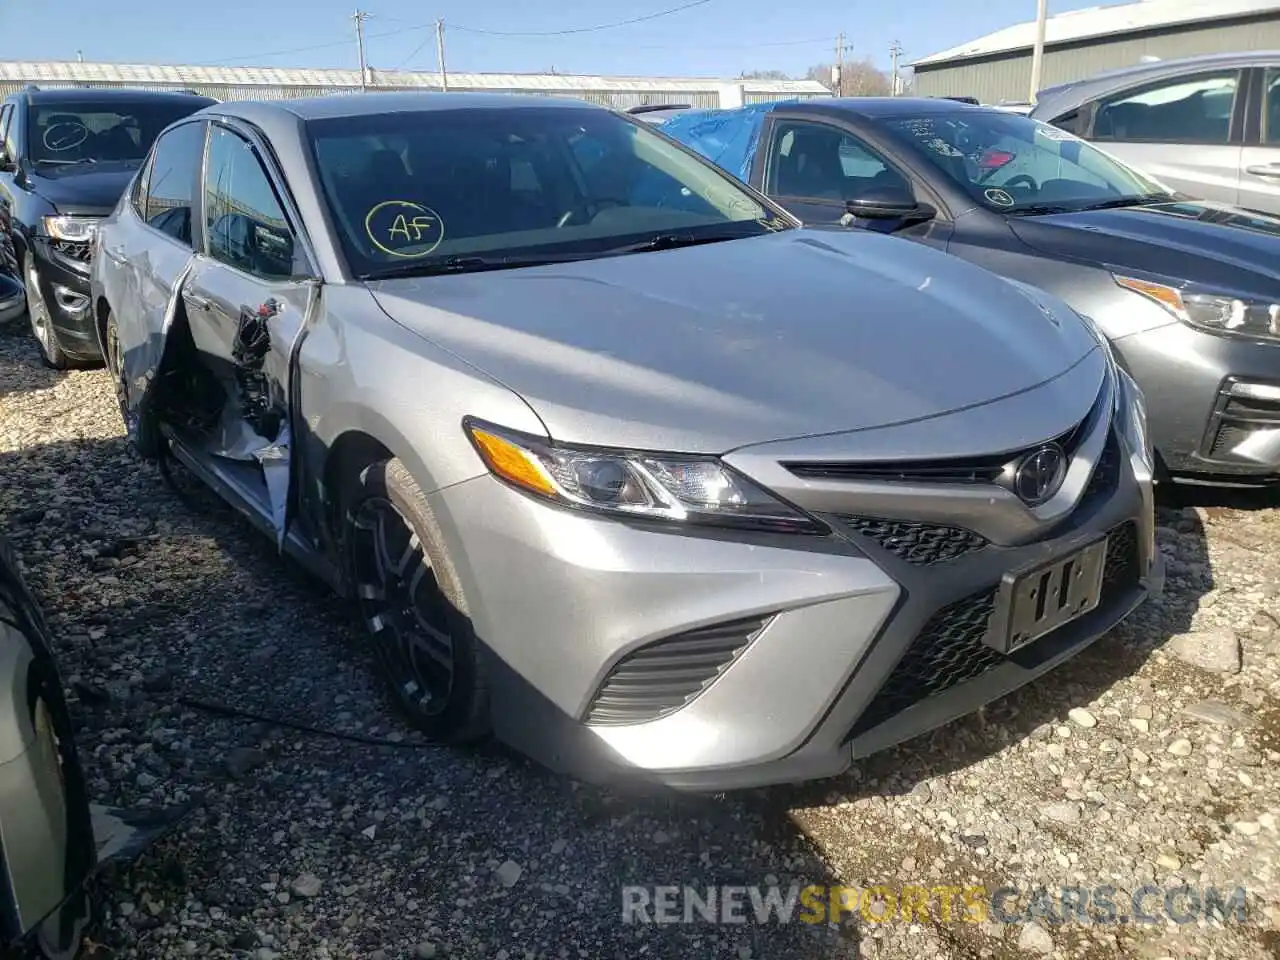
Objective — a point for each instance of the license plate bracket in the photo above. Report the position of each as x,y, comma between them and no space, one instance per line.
1033,602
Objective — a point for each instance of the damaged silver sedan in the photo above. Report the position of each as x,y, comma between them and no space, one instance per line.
616,459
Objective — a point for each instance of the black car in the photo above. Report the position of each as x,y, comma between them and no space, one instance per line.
1187,291
66,156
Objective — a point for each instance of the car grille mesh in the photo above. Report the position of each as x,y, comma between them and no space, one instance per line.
663,676
71,250
923,544
951,649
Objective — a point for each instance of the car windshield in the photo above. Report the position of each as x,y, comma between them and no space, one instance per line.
420,191
1013,164
83,131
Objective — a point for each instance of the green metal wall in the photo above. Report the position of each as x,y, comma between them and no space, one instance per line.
1007,76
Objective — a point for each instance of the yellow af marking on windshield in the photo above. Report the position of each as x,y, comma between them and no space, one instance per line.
393,225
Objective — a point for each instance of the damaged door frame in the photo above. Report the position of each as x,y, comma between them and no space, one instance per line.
290,540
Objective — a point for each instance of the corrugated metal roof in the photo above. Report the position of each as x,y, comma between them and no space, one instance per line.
50,72
1103,21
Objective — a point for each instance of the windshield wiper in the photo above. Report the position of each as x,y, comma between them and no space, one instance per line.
1039,209
1133,201
67,163
670,241
461,264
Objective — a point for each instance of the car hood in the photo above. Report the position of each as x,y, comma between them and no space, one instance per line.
87,189
708,348
1200,241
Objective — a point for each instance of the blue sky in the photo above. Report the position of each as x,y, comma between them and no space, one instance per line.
715,38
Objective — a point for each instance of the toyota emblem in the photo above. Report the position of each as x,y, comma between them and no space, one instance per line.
1039,475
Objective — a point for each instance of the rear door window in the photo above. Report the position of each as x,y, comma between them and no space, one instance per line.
1195,109
171,187
1271,109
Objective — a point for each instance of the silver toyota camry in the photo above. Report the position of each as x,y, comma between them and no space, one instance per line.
616,461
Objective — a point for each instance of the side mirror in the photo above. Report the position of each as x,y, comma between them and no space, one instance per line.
889,202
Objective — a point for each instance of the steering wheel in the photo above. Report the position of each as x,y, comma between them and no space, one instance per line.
599,204
1022,179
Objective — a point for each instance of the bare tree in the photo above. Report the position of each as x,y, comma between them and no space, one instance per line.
860,78
763,75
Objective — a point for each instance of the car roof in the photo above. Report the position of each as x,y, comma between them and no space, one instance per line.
1067,96
105,94
873,108
376,103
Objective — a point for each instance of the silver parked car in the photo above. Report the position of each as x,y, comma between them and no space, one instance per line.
617,461
1208,126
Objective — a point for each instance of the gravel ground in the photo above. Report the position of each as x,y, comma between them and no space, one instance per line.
1149,760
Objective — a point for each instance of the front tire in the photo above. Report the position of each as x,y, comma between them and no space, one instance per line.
412,607
41,320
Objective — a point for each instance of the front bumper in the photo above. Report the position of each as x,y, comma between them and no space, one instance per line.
733,661
1208,417
64,286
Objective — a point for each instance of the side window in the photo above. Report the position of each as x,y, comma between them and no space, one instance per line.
1183,110
245,226
820,162
1069,122
139,197
1271,109
172,176
6,114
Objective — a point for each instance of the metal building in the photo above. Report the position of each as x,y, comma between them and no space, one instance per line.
1078,44
273,83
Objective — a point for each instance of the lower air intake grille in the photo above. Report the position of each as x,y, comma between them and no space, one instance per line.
1230,436
663,676
951,649
919,543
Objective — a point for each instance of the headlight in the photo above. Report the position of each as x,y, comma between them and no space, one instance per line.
656,486
72,229
1212,311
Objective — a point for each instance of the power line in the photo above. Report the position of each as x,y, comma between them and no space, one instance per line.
431,26
416,50
602,26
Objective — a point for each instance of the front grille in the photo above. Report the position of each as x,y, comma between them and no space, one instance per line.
920,543
80,252
962,470
663,676
951,648
1120,573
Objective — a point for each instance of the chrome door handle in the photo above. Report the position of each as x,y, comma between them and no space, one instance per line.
1264,170
197,301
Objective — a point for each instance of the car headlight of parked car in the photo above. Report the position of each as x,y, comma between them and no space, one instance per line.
71,229
1211,310
656,486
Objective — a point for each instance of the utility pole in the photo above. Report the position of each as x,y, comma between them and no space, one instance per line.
1037,52
895,51
360,17
444,76
839,71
